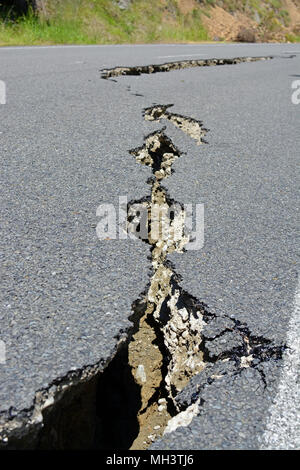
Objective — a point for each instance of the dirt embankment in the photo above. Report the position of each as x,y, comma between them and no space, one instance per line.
232,20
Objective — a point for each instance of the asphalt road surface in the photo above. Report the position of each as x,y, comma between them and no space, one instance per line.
66,296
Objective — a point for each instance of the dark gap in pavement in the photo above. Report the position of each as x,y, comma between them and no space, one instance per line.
98,414
169,66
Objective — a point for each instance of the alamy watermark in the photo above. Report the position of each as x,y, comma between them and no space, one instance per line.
2,352
2,92
152,222
296,94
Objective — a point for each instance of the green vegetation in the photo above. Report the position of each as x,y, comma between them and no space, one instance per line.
292,38
102,21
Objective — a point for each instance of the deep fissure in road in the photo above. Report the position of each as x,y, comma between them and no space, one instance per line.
192,127
177,337
178,65
130,404
137,397
165,351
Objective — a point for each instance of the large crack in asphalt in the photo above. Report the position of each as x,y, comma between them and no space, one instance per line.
154,379
192,127
177,336
178,65
163,353
147,387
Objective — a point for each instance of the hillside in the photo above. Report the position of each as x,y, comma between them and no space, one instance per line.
141,21
248,20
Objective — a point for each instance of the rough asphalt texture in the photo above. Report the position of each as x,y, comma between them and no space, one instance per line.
64,138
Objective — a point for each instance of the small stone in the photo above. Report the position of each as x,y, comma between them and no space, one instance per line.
162,401
156,427
141,374
161,408
184,314
173,335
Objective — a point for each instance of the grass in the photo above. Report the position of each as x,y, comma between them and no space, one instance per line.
102,22
292,38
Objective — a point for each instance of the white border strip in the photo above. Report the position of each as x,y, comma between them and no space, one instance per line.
283,426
